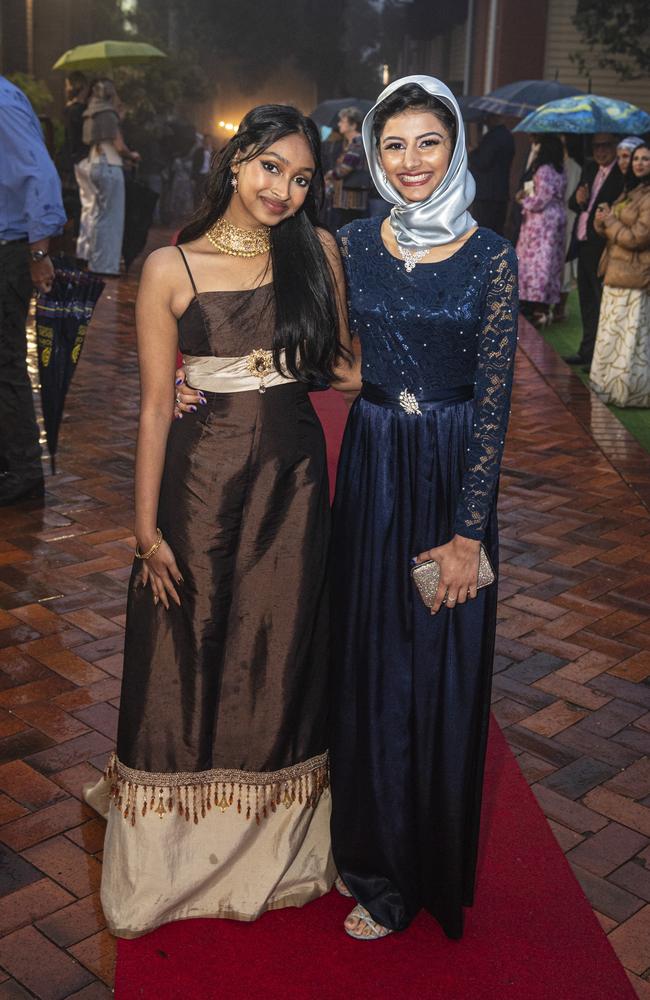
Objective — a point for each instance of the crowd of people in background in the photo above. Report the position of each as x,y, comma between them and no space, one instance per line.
579,225
580,216
96,165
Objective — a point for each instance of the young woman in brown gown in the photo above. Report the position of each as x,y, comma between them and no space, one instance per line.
216,797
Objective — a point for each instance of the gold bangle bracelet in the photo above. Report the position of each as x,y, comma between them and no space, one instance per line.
154,548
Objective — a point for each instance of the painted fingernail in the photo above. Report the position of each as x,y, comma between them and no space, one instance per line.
178,381
201,393
193,409
156,600
203,401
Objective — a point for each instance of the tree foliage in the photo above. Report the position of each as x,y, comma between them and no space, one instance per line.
336,44
617,33
38,92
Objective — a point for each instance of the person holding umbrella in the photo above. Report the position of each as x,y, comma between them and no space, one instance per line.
31,211
104,216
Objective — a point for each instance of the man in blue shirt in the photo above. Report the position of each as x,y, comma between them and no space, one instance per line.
31,211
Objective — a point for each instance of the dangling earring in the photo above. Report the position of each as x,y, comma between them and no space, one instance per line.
383,176
233,181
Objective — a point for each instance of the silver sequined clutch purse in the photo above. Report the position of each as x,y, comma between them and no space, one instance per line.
426,577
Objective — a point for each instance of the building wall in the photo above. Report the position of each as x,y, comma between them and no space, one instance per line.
519,50
456,58
562,39
13,37
533,39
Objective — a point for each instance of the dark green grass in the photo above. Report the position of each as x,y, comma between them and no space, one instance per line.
565,338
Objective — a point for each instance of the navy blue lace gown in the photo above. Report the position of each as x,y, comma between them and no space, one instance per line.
420,462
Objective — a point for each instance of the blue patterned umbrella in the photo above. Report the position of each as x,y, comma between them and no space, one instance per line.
520,98
587,113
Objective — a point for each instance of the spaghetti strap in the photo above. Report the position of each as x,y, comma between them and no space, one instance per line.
187,268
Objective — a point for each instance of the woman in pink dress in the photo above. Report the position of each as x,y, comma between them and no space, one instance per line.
540,247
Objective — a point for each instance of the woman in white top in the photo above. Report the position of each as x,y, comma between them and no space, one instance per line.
102,133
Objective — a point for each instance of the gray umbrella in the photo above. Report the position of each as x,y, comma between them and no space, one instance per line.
520,98
327,112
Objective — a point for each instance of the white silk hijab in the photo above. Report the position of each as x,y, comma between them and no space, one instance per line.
443,217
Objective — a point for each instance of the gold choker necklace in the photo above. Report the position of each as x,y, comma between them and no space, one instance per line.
237,242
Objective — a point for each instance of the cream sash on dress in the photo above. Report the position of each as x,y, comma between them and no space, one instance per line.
253,371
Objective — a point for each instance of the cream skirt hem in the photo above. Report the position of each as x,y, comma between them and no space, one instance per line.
296,899
166,868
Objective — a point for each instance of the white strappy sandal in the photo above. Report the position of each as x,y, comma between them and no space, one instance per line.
377,931
342,887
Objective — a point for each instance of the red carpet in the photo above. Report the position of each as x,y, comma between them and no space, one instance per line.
530,936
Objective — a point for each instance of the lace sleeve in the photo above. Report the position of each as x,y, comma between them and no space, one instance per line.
496,355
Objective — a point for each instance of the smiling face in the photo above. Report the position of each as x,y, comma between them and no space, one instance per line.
415,149
641,162
272,186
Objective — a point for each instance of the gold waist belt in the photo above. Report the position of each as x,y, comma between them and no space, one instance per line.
254,371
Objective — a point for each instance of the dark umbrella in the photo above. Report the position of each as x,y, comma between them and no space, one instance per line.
327,112
467,109
62,318
520,98
139,206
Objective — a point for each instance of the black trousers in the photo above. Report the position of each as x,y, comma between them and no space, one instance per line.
20,451
490,213
590,290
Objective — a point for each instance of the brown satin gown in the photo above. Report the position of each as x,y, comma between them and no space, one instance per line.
216,798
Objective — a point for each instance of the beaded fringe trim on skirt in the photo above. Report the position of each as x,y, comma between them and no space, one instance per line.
193,794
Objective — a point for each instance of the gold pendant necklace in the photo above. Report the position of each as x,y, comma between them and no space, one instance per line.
237,242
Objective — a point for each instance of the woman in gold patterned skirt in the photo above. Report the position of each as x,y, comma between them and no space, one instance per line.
216,797
620,369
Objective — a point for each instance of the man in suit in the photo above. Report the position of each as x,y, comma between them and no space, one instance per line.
490,164
601,182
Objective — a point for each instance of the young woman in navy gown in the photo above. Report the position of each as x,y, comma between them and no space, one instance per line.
433,300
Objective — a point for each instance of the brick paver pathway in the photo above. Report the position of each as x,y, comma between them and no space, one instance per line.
571,688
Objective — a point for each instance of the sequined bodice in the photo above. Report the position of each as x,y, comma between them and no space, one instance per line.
440,326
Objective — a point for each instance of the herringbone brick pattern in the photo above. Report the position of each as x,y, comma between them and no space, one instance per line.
571,687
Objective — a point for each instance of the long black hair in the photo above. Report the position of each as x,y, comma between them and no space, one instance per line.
413,97
306,314
631,179
550,152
